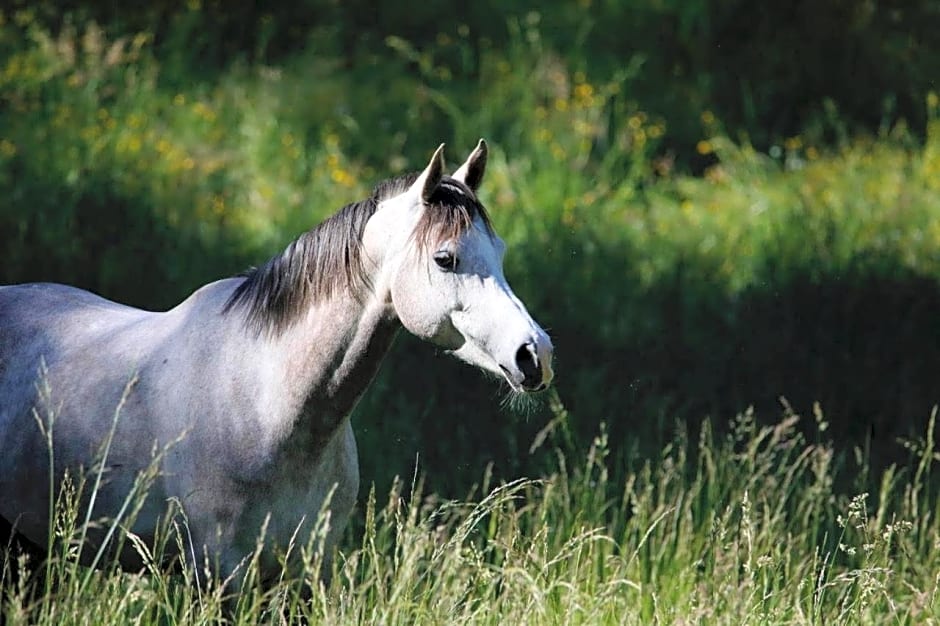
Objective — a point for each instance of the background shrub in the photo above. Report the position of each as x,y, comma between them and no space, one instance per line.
730,203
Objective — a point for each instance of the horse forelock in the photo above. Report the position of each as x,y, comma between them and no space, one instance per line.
450,212
327,259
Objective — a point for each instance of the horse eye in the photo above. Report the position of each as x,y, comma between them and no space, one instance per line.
446,260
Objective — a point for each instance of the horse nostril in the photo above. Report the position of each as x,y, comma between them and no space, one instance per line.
528,363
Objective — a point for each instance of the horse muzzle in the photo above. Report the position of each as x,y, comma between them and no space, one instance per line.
532,369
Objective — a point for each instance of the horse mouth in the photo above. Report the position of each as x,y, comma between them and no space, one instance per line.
509,379
520,387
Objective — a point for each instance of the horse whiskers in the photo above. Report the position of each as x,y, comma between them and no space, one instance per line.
520,402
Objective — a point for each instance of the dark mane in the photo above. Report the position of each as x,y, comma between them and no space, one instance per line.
327,259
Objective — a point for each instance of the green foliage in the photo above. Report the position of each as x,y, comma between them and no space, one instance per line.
144,153
768,71
809,271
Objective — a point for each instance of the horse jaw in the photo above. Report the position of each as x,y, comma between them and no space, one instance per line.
505,341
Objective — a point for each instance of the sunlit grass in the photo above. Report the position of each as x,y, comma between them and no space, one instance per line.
759,526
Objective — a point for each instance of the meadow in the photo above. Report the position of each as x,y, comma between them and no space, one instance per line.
741,284
743,528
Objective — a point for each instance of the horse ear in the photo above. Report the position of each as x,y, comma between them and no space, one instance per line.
471,172
430,178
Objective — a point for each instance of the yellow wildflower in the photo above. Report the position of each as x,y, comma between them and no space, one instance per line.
342,177
793,143
7,148
204,111
584,94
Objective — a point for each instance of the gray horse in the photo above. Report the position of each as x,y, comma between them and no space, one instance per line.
254,377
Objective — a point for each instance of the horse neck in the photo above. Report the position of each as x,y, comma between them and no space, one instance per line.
331,355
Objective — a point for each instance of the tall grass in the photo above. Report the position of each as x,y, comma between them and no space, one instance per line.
758,526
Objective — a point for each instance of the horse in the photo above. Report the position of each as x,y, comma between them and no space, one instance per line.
242,393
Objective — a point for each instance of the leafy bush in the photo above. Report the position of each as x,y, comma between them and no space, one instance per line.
808,271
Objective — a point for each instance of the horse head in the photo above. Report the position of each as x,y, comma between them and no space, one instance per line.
440,266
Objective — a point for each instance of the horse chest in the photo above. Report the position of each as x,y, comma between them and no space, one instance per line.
287,503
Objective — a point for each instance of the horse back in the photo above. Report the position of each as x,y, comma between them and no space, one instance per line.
76,354
42,322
